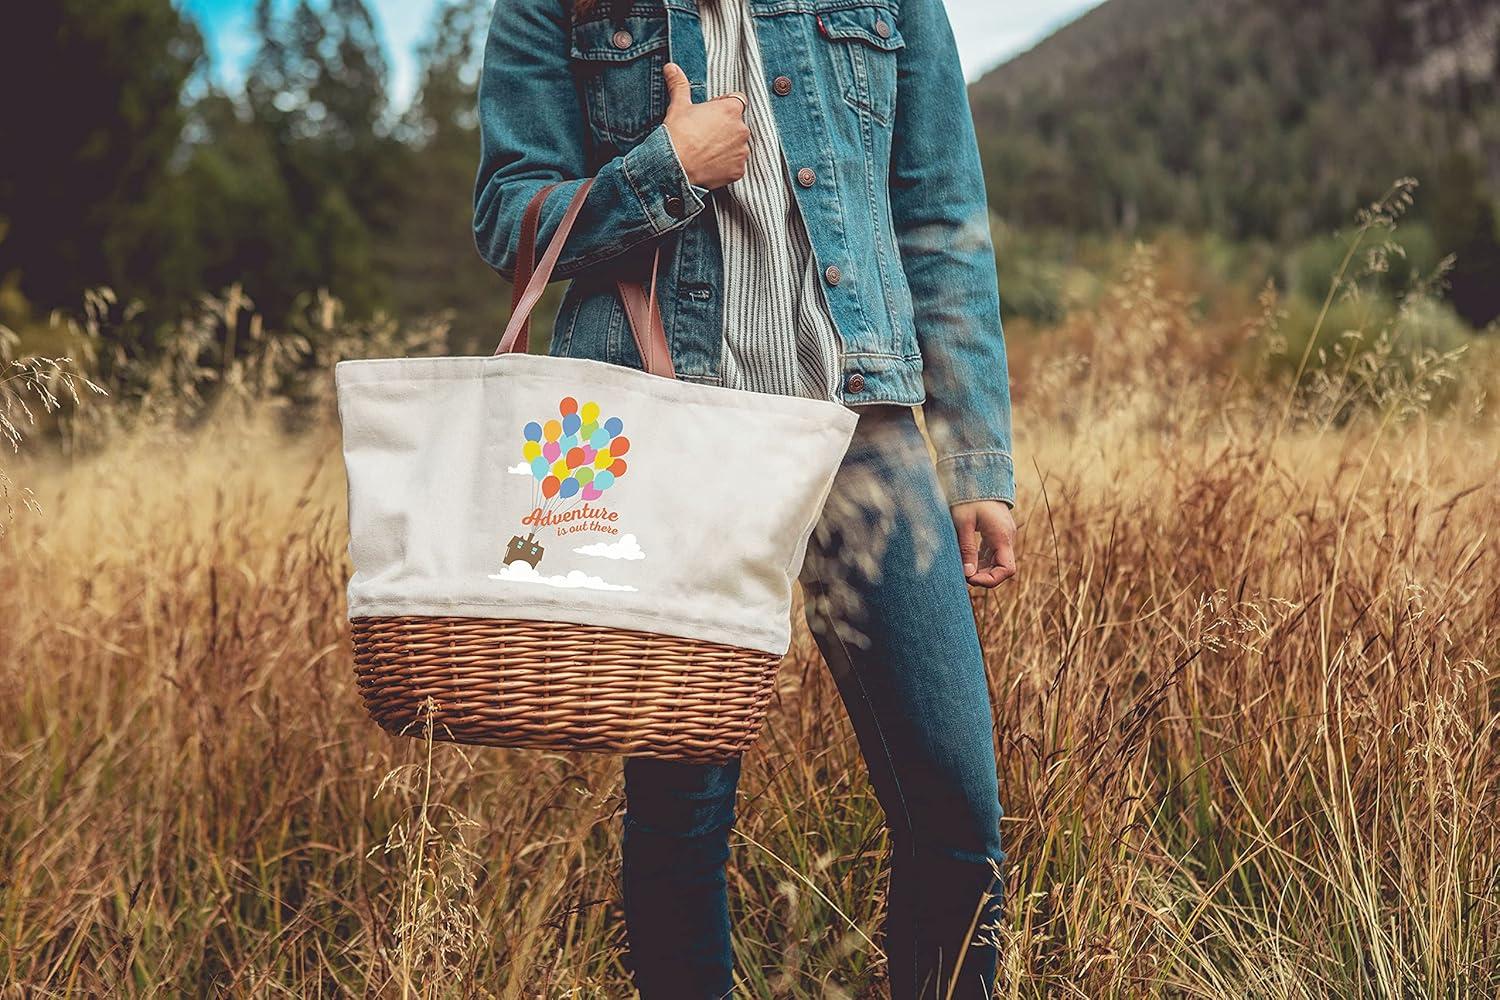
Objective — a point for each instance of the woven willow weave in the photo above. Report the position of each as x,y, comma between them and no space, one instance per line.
556,686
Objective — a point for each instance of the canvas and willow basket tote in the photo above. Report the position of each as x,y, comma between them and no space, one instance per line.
562,554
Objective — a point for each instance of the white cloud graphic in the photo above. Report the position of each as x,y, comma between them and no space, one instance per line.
626,548
519,572
519,469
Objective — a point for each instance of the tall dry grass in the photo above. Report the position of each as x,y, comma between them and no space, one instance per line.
1245,706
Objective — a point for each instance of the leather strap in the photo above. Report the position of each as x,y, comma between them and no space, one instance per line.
531,293
532,276
526,257
643,312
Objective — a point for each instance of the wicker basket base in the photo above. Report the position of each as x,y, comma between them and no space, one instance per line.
557,686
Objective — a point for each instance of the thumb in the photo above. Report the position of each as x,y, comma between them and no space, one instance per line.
968,544
679,91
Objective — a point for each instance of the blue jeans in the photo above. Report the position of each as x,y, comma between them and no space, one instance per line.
887,602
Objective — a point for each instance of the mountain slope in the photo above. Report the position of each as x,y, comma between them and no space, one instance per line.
1272,118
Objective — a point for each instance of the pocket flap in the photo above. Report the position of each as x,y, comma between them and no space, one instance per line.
603,41
875,26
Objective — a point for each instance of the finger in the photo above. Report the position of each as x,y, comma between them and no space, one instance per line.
1000,564
1005,559
968,541
743,102
990,578
679,90
1002,569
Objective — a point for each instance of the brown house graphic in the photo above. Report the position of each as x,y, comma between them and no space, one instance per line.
524,550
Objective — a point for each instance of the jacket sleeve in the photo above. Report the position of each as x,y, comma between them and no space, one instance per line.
941,218
532,133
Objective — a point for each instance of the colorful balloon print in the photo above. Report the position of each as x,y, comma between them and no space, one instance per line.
577,453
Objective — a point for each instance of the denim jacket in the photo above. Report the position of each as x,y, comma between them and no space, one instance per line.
868,94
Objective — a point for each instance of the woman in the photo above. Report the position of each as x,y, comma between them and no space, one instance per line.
809,171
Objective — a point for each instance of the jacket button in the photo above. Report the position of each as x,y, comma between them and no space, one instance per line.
806,177
622,39
832,274
882,29
855,384
782,85
674,206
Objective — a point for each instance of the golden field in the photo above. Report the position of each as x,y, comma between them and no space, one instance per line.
1244,692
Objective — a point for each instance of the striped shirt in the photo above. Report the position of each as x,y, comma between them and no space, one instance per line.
779,335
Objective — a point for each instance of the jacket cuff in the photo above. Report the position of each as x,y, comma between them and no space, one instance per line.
978,475
667,199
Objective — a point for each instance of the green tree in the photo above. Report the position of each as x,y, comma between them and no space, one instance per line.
431,259
1467,224
91,125
246,228
1270,120
317,91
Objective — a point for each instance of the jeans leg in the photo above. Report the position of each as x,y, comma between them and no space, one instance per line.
888,603
677,822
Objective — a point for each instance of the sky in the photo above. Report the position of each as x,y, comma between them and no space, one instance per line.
988,32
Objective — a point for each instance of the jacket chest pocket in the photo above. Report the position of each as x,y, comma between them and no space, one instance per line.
619,67
864,43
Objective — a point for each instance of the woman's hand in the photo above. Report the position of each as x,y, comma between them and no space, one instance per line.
711,139
990,522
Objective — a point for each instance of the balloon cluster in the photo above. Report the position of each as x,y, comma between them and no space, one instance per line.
577,454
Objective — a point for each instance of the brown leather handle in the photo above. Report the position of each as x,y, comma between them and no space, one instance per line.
526,257
532,276
536,283
644,313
